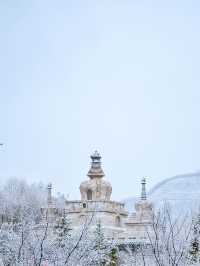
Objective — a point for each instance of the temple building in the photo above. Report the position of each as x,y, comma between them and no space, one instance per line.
96,205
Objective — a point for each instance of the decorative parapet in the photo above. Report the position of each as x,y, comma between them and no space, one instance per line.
94,206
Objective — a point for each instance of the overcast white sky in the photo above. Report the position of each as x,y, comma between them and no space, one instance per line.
118,76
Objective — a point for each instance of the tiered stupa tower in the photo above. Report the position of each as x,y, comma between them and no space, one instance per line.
96,200
96,188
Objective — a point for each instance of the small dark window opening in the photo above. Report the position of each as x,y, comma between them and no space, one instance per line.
89,194
84,205
118,221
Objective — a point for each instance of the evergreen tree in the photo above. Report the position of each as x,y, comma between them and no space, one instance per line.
113,257
105,253
62,231
194,251
100,246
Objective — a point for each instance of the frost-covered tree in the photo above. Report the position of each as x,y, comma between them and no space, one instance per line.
194,250
20,201
104,251
62,231
27,239
100,246
169,238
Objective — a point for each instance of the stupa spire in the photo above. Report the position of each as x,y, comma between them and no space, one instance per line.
49,194
95,169
143,192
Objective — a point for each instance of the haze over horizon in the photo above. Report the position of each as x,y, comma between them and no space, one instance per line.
121,77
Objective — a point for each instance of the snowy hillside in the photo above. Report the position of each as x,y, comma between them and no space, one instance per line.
182,192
